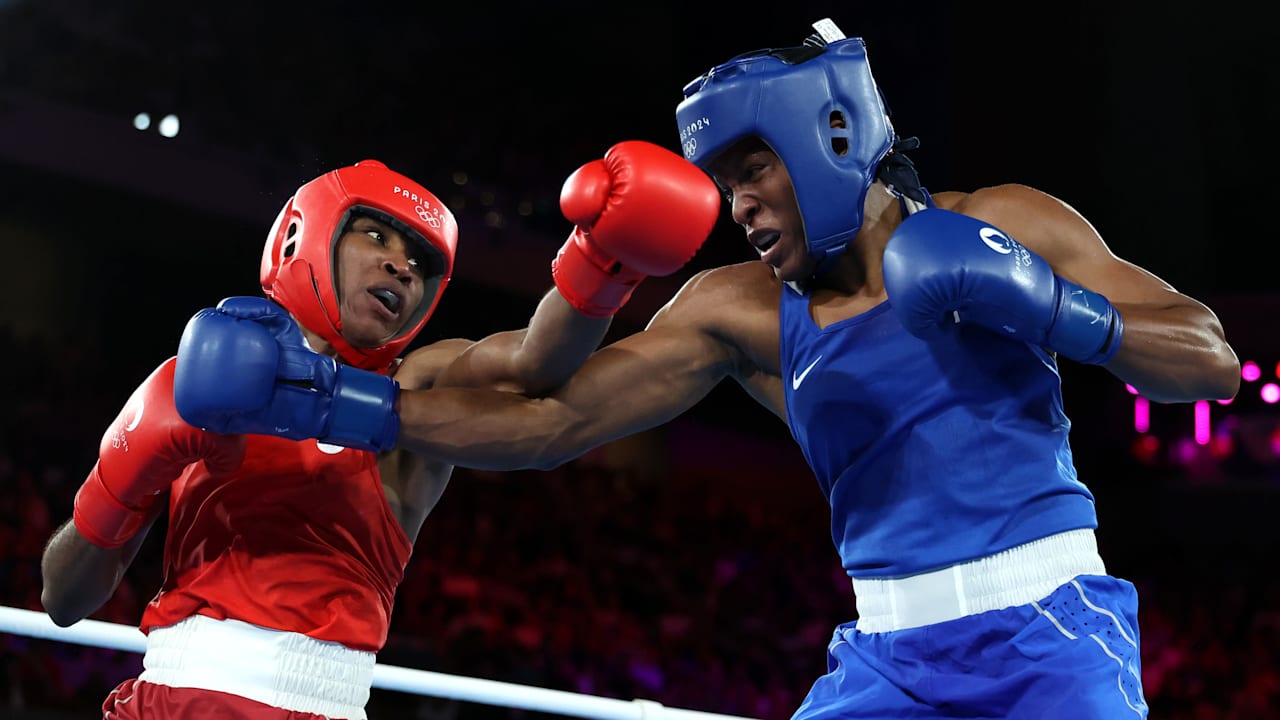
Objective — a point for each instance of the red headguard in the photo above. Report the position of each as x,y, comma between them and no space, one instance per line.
298,261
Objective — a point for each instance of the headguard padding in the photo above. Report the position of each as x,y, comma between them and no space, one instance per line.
790,98
298,262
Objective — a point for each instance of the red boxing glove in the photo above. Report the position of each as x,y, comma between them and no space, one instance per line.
145,449
641,211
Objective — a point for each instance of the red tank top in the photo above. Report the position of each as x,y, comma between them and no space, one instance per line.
299,539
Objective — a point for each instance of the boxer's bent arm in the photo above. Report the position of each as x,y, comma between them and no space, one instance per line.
634,384
78,576
534,360
1173,348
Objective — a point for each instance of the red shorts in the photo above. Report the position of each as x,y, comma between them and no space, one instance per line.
134,700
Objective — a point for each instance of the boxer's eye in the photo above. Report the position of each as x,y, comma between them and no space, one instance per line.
376,235
725,192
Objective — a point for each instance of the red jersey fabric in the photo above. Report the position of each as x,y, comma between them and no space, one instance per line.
300,539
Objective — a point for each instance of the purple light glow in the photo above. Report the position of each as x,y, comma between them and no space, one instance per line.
1185,451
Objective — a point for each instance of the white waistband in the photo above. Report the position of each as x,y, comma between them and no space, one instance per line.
1016,576
282,669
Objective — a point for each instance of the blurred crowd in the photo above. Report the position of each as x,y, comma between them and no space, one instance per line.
696,589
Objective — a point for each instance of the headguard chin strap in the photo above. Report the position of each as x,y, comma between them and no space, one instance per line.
818,107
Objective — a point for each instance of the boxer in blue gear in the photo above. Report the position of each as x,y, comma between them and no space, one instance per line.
911,343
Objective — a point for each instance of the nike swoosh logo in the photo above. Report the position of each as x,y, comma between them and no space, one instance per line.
989,235
797,379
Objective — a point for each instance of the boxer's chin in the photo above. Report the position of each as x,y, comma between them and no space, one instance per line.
368,333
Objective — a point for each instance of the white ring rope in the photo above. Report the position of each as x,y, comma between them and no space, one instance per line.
97,633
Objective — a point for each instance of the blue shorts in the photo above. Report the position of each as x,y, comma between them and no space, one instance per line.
1072,656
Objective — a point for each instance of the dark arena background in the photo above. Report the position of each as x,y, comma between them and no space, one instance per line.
690,565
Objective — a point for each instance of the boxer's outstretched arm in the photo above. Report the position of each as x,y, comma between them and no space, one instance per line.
634,384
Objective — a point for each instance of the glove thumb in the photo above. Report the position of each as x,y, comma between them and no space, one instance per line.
585,192
266,313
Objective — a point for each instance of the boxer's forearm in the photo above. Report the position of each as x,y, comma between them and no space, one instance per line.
1175,354
79,577
559,339
532,361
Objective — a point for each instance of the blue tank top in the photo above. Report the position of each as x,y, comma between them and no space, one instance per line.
930,453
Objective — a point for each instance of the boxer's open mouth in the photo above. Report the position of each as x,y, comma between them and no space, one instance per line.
389,299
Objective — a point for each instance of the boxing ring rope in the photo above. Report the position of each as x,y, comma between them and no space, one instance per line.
97,633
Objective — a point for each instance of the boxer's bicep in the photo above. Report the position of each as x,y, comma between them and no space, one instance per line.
1071,245
486,363
425,366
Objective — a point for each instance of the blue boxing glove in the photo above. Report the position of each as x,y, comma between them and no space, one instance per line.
243,367
942,267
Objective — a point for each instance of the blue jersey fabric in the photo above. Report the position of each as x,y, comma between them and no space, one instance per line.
937,453
930,453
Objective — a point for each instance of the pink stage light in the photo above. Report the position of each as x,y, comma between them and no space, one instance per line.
1270,393
1141,414
1202,422
1249,371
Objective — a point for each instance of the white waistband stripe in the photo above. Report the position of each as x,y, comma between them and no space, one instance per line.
281,669
1016,576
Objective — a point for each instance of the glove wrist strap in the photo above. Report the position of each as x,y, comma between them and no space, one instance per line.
1087,327
363,414
595,285
102,518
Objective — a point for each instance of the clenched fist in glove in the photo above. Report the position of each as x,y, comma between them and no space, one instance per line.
942,267
243,367
640,211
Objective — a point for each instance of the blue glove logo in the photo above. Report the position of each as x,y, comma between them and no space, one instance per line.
988,235
1004,245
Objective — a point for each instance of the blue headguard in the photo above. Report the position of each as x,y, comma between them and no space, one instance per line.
789,98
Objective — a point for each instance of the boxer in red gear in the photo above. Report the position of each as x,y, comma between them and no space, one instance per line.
282,557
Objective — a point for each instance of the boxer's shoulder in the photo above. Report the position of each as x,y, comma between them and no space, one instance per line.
736,304
729,292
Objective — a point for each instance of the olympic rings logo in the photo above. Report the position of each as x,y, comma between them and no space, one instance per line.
430,217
